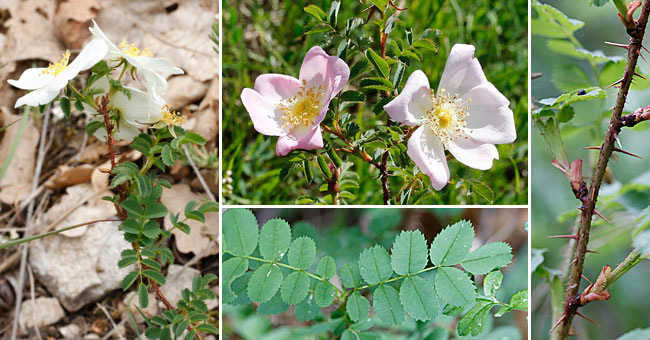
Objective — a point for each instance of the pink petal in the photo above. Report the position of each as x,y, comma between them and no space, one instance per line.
490,120
462,71
264,114
275,87
312,140
473,153
413,102
426,150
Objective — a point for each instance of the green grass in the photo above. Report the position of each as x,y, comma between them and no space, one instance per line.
269,38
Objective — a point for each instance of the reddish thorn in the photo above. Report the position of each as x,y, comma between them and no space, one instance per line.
573,236
617,45
640,76
627,153
586,318
573,262
601,216
643,47
615,83
584,277
592,251
591,148
395,7
557,323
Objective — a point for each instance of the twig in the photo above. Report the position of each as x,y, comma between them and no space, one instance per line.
115,329
28,223
606,150
108,315
198,175
33,298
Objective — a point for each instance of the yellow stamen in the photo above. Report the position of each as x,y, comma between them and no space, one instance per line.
133,50
59,66
447,118
303,108
172,117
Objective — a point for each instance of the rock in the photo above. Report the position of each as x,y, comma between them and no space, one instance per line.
178,278
83,269
151,310
42,311
71,331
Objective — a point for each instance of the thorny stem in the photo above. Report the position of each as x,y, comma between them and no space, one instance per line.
603,158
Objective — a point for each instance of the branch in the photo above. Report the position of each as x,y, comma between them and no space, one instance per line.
605,153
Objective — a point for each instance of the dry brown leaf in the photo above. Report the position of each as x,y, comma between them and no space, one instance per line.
206,120
183,90
92,153
210,176
94,209
99,179
16,184
201,234
72,19
66,176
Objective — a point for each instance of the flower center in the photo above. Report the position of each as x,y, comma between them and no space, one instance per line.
303,108
447,117
59,66
133,50
172,117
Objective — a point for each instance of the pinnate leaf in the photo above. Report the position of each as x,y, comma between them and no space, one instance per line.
473,322
409,253
295,287
488,257
264,283
239,231
326,267
385,301
275,237
350,275
454,287
357,307
418,298
324,293
452,244
302,252
374,265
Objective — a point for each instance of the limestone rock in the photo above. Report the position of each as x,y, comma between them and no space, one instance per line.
40,312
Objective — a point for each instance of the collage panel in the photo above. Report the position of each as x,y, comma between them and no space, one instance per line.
590,189
375,102
109,169
383,273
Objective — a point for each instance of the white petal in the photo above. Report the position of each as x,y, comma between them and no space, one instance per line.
264,114
37,97
462,71
159,65
473,153
90,55
426,150
490,120
97,32
32,78
126,131
139,109
154,82
413,102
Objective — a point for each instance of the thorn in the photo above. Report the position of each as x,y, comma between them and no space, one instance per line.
557,323
640,76
584,277
601,216
615,149
592,251
615,83
617,45
586,318
573,236
573,262
618,141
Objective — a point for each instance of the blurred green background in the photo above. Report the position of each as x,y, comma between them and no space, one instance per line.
267,36
623,197
344,233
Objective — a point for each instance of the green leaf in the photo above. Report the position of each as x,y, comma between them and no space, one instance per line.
126,261
488,257
409,254
350,275
273,306
353,96
308,309
481,189
93,126
454,287
65,106
168,155
379,63
357,307
552,23
334,12
374,265
492,282
132,206
128,280
324,293
385,301
302,253
473,322
613,71
426,44
207,328
232,269
193,138
264,282
156,210
326,268
315,11
452,244
376,83
154,275
567,48
637,334
275,238
78,105
569,77
143,295
381,4
240,232
418,298
520,300
295,288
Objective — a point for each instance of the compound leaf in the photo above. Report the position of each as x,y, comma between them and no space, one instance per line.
326,267
240,232
350,275
409,253
374,264
295,287
275,237
454,287
385,301
418,298
324,293
302,252
264,283
452,244
357,307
